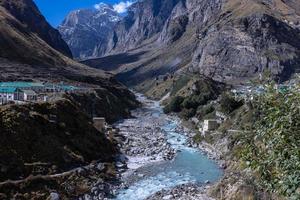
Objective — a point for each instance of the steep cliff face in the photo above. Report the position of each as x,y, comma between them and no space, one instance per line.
249,38
26,12
228,40
145,19
86,31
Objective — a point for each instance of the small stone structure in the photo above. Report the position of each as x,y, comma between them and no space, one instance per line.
210,125
99,123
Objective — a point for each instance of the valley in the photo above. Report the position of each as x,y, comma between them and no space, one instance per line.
150,100
159,156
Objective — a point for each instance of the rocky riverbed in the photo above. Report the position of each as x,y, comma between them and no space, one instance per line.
144,141
157,160
183,192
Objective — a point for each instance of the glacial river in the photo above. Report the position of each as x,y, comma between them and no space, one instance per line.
189,166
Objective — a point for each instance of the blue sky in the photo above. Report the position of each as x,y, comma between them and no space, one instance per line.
56,10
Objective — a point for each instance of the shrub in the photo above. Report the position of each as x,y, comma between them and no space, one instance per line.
196,100
189,102
174,105
228,103
188,113
271,147
179,84
204,110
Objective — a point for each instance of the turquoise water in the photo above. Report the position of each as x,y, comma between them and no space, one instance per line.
189,166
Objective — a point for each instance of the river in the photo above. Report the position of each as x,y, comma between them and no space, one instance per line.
149,176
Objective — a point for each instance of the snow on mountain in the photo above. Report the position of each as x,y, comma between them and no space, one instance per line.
86,30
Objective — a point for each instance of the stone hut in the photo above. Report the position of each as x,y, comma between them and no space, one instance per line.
99,123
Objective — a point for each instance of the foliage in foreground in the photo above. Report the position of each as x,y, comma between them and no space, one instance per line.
272,145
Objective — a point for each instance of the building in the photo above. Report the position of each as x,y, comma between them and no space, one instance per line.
37,87
9,94
42,97
31,91
209,125
29,95
50,87
68,88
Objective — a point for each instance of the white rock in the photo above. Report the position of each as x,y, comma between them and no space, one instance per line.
54,196
167,197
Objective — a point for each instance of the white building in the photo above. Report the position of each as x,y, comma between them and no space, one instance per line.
208,126
29,95
9,94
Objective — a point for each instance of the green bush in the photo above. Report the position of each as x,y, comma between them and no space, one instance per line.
271,147
174,105
204,110
188,113
194,101
204,90
179,84
228,103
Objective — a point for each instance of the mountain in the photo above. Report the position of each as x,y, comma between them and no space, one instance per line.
31,49
26,16
46,138
228,40
86,30
145,19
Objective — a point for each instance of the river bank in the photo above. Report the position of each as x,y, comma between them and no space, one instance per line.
157,156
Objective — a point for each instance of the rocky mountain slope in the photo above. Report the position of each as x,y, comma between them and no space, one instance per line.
23,27
29,16
86,30
144,20
228,40
44,145
31,49
42,141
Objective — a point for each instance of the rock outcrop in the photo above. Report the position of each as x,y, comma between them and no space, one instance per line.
145,19
48,139
247,41
228,40
86,31
53,147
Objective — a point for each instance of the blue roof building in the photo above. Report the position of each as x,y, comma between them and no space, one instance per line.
8,94
20,84
8,90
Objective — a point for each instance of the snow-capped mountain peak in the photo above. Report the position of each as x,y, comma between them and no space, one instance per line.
84,28
103,7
